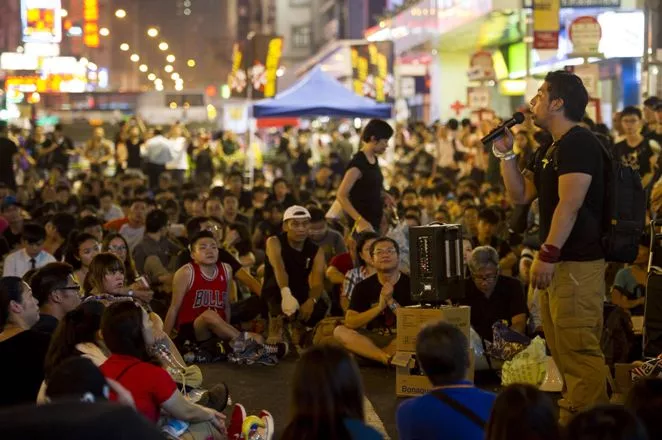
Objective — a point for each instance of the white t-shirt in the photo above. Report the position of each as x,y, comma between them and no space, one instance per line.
179,154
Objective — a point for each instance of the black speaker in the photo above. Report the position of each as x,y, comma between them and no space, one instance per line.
436,263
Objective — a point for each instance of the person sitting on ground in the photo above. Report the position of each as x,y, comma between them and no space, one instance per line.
645,400
493,297
327,398
200,306
128,332
134,230
57,293
293,277
32,254
109,210
442,351
370,320
330,241
488,224
58,228
269,227
106,281
22,349
152,255
231,210
629,289
116,244
523,412
606,422
82,248
91,225
364,269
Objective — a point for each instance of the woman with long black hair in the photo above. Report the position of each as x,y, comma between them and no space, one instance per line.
327,398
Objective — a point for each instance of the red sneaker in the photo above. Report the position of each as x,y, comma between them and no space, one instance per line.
268,431
236,422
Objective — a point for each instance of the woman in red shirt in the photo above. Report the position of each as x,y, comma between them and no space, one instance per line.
127,332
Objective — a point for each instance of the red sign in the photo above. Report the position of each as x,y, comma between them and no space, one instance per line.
546,40
91,25
457,107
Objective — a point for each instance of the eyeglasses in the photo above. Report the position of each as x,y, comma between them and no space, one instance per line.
390,251
485,279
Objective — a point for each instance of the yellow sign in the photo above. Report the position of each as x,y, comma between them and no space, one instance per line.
546,24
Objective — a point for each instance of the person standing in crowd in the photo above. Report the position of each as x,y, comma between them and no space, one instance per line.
157,153
178,166
635,150
133,145
361,192
54,287
31,255
62,149
293,275
98,151
570,266
455,403
22,349
327,398
370,320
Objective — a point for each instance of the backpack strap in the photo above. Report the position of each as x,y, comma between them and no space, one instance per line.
460,408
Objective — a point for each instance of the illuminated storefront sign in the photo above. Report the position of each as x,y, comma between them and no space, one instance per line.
91,25
41,21
66,83
18,61
372,71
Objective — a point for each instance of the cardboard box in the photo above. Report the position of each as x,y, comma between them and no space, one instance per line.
409,380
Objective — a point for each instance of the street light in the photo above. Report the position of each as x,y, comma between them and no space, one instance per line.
152,32
151,77
168,68
190,63
170,58
120,13
163,46
175,76
135,57
143,68
124,47
104,32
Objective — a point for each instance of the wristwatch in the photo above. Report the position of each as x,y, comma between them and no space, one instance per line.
503,156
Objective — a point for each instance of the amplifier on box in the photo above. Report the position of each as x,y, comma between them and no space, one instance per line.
437,263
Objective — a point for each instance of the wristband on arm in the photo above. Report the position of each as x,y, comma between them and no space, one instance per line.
549,253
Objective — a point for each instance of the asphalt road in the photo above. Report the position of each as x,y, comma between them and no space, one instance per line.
259,387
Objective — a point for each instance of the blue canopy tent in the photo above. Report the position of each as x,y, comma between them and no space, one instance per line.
319,94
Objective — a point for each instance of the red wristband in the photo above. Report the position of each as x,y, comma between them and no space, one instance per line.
549,253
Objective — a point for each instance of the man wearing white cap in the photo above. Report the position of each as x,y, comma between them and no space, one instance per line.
293,275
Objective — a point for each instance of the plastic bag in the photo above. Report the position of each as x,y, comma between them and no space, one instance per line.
478,352
528,366
400,234
506,342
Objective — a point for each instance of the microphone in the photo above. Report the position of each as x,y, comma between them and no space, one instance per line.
493,135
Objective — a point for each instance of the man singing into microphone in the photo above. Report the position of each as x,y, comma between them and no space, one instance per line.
568,179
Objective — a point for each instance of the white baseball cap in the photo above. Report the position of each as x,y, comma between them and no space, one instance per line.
296,212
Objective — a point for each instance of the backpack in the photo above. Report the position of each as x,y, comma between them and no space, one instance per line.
624,213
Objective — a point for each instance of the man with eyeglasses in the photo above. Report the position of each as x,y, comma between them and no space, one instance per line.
493,297
54,287
370,321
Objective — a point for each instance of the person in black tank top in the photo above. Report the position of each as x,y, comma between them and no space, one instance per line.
133,144
294,270
361,192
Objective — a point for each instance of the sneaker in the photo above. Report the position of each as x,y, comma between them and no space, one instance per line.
236,422
275,330
280,350
218,397
267,432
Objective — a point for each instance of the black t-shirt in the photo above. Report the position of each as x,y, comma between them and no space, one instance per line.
298,265
47,324
22,367
7,151
366,194
13,240
133,153
636,157
59,156
578,151
366,296
507,300
184,257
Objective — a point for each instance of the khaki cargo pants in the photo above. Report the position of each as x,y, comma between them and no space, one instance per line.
572,313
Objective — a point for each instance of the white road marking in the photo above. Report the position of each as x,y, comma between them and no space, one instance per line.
372,419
